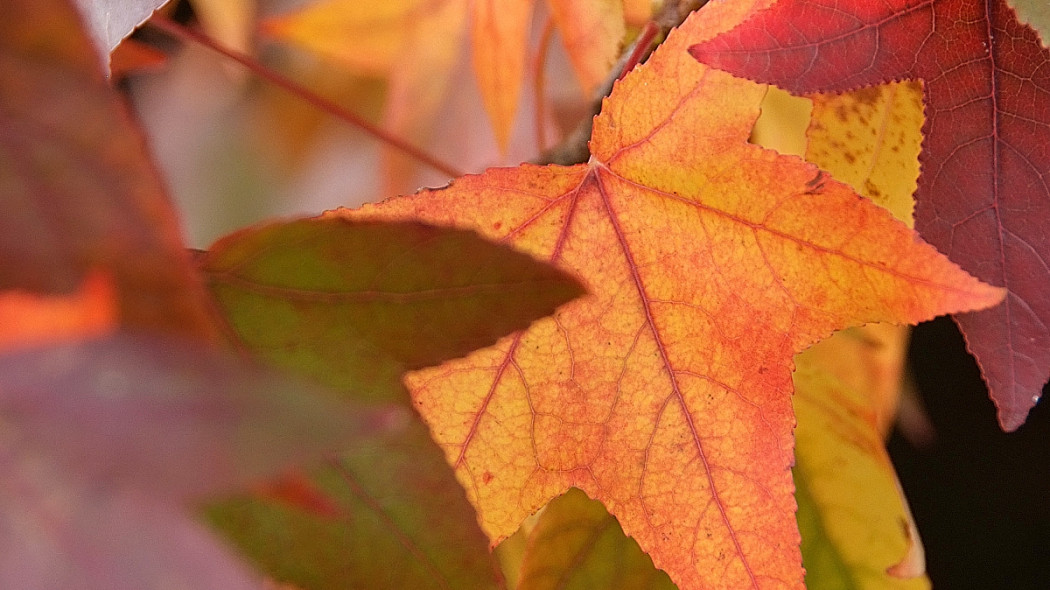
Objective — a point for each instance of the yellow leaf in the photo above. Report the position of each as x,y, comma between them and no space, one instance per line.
366,36
592,31
854,520
870,139
500,33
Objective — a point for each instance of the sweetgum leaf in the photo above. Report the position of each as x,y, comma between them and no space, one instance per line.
77,190
665,393
983,197
354,305
854,522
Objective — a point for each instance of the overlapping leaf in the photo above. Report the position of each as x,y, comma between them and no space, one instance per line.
78,192
354,305
870,139
855,526
417,45
665,393
577,545
984,192
105,440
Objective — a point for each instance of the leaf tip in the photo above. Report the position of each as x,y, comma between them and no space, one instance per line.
1013,417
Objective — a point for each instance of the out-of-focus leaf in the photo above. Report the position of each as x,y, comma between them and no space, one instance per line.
133,57
110,21
578,545
102,440
638,12
416,94
27,319
854,521
499,36
355,304
171,418
57,534
228,21
1036,14
77,190
393,517
592,31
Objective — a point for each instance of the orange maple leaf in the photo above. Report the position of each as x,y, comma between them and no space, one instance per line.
666,392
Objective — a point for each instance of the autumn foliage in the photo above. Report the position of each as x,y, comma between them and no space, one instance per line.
669,363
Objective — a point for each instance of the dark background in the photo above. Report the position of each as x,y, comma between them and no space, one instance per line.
981,497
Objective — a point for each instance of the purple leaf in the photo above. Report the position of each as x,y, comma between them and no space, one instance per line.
172,419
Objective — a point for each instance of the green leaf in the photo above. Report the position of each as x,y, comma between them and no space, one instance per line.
578,545
391,516
354,305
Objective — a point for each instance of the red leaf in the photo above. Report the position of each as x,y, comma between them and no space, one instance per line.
77,189
984,194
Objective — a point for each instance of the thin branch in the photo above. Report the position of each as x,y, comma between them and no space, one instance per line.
186,34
